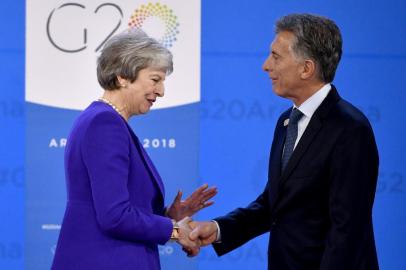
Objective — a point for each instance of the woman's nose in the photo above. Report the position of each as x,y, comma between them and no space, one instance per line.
160,90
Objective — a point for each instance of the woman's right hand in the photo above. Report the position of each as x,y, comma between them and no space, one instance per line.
192,248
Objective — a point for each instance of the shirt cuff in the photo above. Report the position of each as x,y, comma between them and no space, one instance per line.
218,239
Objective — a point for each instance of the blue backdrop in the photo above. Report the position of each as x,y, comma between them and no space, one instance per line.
239,110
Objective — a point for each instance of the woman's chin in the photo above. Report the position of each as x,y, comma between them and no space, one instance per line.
145,109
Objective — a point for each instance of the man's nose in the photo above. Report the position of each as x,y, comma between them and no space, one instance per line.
266,65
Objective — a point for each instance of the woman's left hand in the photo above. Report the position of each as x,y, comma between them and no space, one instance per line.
193,204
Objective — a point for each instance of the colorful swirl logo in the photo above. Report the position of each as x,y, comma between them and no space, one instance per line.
161,12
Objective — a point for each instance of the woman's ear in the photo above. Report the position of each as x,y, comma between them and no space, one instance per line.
123,82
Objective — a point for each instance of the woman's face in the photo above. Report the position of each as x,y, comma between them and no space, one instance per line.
140,95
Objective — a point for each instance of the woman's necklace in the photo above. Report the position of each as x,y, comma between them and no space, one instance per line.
108,102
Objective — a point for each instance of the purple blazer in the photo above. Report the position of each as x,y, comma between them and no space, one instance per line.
114,217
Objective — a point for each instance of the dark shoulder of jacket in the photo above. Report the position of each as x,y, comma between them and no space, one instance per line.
348,115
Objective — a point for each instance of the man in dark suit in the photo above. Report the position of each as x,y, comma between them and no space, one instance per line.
323,167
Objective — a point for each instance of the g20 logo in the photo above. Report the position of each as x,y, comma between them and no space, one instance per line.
81,8
168,22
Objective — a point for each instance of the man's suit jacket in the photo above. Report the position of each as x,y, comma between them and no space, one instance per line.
114,215
319,209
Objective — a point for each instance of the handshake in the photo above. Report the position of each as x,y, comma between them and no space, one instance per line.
194,234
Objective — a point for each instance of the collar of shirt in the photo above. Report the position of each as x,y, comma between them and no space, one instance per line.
312,103
309,107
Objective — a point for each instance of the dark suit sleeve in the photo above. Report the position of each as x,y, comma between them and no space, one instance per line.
105,151
243,224
353,179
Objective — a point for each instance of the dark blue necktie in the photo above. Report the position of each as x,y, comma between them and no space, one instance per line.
291,136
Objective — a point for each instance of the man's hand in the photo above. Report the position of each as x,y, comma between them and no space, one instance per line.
205,231
194,203
192,248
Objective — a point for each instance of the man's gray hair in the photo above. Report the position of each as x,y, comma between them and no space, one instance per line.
317,38
126,54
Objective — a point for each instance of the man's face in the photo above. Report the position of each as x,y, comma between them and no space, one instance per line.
283,66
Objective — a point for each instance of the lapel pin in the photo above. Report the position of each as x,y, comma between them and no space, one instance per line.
286,122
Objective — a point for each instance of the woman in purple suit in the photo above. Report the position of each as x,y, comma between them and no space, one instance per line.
115,216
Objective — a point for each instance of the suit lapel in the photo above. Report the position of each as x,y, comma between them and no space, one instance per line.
279,144
276,157
310,133
306,139
150,166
